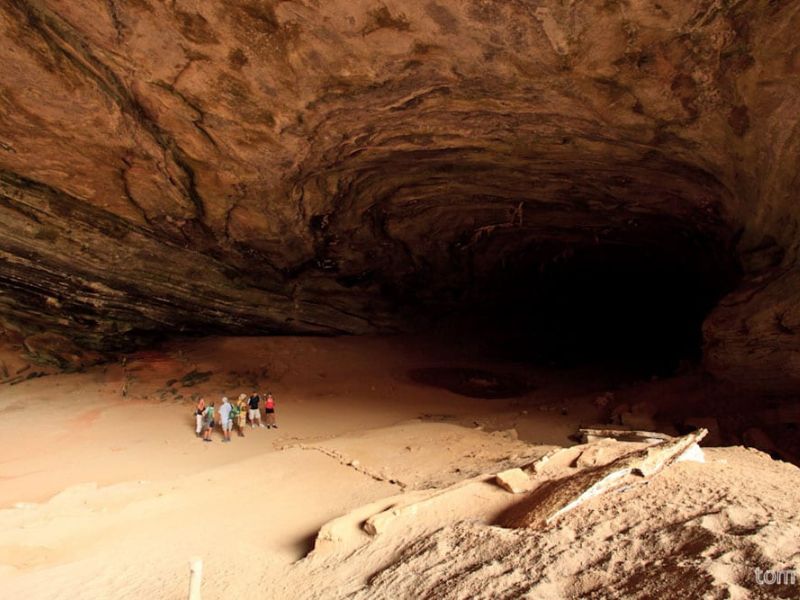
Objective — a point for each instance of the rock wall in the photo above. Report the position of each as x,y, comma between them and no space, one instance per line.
320,167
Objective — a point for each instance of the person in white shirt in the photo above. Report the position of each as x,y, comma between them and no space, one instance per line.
225,420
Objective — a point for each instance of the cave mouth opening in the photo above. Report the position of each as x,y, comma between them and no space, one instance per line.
635,303
571,250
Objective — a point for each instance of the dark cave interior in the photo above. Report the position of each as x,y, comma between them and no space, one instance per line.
639,306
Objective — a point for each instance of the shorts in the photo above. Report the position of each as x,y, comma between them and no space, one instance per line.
254,414
269,410
208,424
227,425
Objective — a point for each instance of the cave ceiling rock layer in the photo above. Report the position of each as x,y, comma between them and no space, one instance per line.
308,167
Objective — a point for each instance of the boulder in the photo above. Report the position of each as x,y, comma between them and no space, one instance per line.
515,481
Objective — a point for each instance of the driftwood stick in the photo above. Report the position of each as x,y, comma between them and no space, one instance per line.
195,578
589,434
553,499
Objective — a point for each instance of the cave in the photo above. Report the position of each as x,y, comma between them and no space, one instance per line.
491,215
241,183
630,306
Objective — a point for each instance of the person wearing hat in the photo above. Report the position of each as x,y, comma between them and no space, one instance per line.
225,420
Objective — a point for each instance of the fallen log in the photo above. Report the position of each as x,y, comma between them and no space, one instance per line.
591,434
553,499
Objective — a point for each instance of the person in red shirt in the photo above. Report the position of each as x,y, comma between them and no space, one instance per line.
269,411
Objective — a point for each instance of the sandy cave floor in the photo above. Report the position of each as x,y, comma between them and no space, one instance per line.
105,492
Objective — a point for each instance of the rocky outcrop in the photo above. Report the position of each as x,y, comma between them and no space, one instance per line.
274,166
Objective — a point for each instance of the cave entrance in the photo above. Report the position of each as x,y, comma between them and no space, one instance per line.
637,303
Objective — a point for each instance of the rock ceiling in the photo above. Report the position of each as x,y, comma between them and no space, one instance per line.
316,166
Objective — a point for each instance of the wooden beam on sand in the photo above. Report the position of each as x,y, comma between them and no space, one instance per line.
553,499
195,578
590,434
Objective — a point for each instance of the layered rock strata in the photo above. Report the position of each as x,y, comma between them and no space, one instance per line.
326,167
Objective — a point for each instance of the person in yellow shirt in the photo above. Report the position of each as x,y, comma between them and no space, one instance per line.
241,417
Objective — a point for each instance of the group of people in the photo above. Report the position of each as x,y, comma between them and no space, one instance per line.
245,409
